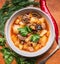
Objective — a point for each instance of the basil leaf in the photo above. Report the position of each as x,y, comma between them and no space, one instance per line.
35,38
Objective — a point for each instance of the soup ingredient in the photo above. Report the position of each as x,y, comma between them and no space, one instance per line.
38,46
15,27
28,38
43,32
2,41
41,20
20,46
32,27
33,20
43,40
25,19
46,10
28,29
31,49
24,31
43,25
17,20
21,37
36,15
35,38
38,27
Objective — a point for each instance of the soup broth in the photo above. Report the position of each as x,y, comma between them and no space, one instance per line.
30,32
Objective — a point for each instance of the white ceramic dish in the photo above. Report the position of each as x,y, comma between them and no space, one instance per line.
25,53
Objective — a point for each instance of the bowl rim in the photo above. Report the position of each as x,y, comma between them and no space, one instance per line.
25,53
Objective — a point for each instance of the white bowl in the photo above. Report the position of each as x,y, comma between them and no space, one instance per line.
25,53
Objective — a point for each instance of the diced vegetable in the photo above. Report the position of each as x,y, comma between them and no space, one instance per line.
17,21
28,39
41,20
43,40
31,49
43,25
34,44
38,46
16,43
33,20
35,38
25,47
15,27
43,32
20,46
48,33
14,38
32,27
21,23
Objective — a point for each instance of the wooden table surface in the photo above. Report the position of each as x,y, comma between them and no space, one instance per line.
54,7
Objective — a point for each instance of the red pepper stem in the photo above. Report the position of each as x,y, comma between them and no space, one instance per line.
44,7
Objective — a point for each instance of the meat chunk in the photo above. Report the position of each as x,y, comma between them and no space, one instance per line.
21,37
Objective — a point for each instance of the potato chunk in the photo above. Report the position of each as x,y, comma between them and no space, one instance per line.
20,46
43,32
33,20
25,46
17,43
43,40
41,20
17,21
31,49
14,38
38,46
15,29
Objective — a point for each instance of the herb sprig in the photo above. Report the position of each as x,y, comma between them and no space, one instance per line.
9,8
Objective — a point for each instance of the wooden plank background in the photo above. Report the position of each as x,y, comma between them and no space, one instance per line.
54,7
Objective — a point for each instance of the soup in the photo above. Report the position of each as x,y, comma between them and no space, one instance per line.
30,32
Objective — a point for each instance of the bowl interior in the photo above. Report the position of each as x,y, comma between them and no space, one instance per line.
25,53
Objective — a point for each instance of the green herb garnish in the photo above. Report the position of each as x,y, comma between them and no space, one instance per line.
24,31
28,29
2,41
35,38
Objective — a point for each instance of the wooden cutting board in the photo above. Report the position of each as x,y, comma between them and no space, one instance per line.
54,7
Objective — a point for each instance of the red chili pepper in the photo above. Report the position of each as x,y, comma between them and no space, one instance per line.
44,7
